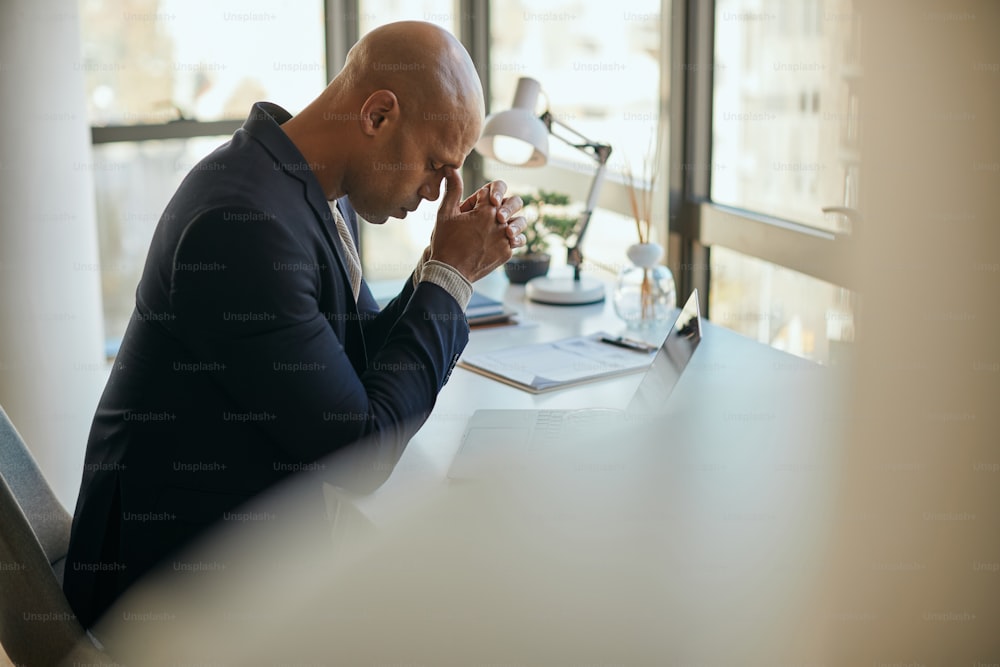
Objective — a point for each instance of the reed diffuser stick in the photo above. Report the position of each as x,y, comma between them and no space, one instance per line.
641,201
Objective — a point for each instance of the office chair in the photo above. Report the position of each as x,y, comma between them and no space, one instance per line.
37,626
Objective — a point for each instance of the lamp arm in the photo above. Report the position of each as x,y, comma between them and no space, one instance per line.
574,257
597,151
600,154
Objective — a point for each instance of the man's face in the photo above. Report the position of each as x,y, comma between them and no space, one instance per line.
408,164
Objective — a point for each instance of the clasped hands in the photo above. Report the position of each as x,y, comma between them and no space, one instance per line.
478,234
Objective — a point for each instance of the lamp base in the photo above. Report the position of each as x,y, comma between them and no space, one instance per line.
565,291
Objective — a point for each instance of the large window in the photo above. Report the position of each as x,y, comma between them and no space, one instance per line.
600,66
773,194
784,137
167,82
598,63
161,60
752,104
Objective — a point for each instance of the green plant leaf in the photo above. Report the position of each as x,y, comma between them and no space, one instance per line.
543,226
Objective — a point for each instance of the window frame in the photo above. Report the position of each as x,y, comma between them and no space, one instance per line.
696,222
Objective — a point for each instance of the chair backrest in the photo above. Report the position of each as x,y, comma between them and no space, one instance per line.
37,626
48,519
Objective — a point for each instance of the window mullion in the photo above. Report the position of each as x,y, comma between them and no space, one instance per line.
181,129
691,141
474,32
342,30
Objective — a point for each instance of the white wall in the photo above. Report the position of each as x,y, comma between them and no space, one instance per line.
51,352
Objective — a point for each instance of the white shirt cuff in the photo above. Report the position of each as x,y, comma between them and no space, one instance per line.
447,278
418,271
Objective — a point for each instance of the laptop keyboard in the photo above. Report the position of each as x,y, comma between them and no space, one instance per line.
553,424
549,423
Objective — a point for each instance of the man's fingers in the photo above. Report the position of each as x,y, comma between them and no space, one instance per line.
497,191
516,227
492,192
509,207
515,233
469,203
452,192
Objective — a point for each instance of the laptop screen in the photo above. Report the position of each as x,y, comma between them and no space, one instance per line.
670,361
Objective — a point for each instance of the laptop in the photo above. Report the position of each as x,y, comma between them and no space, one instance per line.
493,437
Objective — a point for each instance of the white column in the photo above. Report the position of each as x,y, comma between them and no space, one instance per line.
51,325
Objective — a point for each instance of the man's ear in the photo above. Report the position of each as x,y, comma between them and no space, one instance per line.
381,106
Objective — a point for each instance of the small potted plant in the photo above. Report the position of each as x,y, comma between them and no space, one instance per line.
544,225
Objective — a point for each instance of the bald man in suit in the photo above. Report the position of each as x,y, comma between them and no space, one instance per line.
255,348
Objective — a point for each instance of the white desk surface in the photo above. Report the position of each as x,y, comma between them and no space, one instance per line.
735,390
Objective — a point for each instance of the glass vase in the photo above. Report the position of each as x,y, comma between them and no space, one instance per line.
645,292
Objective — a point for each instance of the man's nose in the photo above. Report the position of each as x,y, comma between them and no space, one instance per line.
431,190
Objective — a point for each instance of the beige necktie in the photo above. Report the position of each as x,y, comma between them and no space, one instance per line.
350,252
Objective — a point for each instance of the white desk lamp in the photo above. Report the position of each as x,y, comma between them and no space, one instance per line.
519,137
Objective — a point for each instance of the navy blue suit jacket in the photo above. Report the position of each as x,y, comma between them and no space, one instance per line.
246,359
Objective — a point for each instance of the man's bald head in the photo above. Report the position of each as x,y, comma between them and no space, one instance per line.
425,65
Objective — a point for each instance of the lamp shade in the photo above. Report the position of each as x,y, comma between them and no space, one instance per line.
517,136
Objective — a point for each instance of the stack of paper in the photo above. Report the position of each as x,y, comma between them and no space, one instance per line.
562,363
484,311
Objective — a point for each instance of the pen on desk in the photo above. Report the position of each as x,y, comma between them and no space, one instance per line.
628,344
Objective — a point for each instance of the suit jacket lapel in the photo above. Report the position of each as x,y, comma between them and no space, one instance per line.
264,124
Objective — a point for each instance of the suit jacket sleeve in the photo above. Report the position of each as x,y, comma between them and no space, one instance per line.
283,361
377,323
